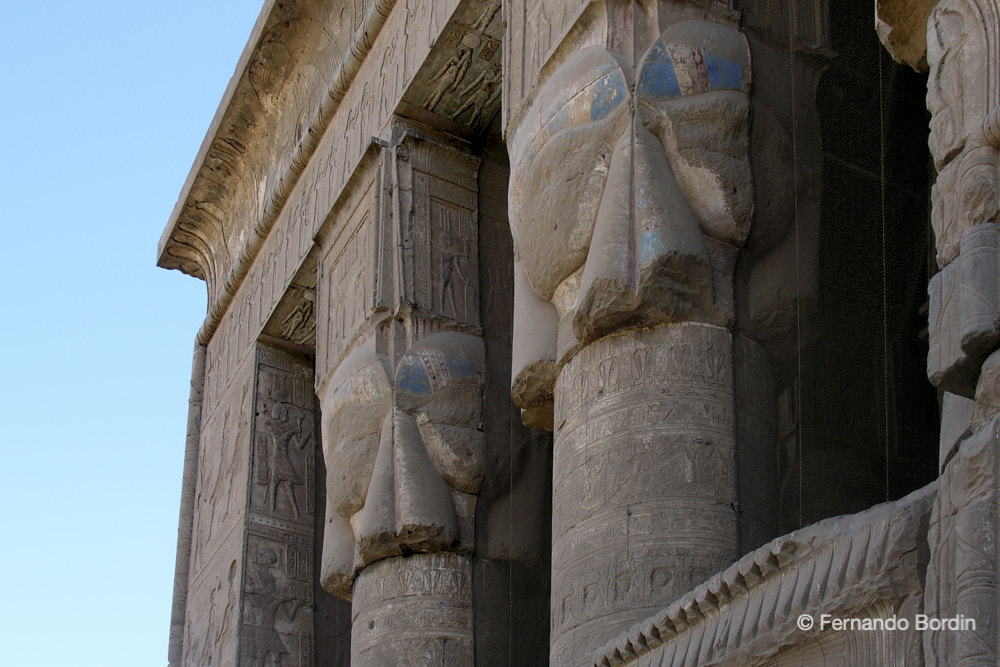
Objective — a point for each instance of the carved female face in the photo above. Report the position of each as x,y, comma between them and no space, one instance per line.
400,454
625,178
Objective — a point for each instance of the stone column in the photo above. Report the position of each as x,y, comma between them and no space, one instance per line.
644,478
415,610
401,373
630,200
961,50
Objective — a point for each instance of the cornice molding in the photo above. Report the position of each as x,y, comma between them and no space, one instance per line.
195,237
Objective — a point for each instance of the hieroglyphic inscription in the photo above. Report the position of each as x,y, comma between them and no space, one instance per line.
452,252
644,478
255,152
223,461
284,440
278,601
461,78
419,607
212,612
278,598
220,495
440,259
347,287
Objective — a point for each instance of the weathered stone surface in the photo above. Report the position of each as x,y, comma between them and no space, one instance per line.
964,311
956,421
415,610
178,611
403,424
960,92
636,230
630,199
644,492
965,196
253,580
458,87
864,565
212,619
987,403
669,242
902,27
405,459
961,576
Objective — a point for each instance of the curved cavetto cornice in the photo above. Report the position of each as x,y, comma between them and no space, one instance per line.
298,64
747,613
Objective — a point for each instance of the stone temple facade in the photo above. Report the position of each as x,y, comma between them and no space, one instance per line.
596,332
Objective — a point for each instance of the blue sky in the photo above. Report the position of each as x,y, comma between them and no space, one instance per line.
104,107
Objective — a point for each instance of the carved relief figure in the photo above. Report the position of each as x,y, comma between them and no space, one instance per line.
487,89
300,321
266,596
286,437
449,77
452,252
486,18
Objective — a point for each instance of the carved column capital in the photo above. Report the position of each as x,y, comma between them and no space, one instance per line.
401,371
631,195
404,454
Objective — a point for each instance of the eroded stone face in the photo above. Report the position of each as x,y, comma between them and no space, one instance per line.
404,457
624,179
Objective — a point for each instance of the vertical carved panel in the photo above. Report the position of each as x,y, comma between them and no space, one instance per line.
252,589
534,29
346,303
443,233
278,598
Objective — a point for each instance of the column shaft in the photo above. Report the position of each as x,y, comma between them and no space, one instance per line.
643,479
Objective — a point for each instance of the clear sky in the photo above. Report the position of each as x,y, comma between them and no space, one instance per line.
105,105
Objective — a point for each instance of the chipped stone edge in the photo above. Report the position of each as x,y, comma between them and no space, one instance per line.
749,611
